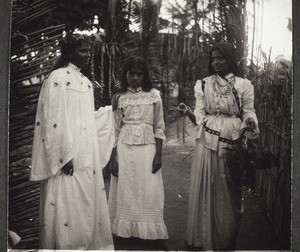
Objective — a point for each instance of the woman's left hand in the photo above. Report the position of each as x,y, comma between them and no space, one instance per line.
156,163
250,124
115,101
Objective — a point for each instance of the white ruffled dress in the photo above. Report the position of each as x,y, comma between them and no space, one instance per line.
136,197
215,203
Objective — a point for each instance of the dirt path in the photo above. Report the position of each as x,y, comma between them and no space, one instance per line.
256,232
176,174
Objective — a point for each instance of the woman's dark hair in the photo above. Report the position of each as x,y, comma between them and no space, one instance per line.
68,47
139,63
228,52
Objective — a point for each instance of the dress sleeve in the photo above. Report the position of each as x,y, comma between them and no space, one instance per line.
200,103
199,112
105,131
248,103
53,141
158,123
118,122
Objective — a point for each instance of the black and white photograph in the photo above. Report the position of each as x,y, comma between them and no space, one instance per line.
150,125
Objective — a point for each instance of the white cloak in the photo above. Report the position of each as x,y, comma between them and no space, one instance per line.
73,209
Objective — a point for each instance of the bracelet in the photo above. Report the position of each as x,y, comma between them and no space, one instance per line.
187,109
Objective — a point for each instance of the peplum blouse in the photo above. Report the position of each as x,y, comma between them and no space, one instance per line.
218,121
139,117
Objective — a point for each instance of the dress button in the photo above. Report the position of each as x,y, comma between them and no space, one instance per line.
52,204
66,224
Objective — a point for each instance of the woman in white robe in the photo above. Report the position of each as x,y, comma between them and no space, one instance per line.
67,158
224,107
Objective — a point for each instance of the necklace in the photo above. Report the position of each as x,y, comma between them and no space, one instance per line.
223,91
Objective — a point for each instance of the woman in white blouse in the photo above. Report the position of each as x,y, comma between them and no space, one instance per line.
224,106
136,197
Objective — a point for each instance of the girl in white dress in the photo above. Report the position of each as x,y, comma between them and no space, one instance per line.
224,106
67,157
136,197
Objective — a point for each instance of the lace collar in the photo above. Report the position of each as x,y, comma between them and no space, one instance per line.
134,90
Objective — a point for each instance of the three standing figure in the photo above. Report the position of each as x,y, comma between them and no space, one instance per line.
68,161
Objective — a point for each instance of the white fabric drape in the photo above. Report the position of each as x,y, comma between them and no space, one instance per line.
73,209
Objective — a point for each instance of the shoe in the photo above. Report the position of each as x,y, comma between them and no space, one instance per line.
192,248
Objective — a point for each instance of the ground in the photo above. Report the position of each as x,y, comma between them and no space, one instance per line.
256,232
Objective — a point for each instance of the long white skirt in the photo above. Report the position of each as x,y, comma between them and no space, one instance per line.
136,197
74,212
214,203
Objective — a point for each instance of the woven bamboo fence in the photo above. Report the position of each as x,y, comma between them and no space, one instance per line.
273,107
33,54
32,59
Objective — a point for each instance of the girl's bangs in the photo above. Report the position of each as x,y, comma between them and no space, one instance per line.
136,64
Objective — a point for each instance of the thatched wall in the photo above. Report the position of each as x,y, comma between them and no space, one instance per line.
273,106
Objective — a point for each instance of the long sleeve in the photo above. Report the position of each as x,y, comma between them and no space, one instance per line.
104,120
200,103
53,141
158,124
118,119
199,112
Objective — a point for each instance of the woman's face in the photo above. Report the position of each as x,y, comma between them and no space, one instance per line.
135,77
219,63
81,56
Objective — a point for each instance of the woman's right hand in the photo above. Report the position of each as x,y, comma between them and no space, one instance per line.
187,111
68,168
183,108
